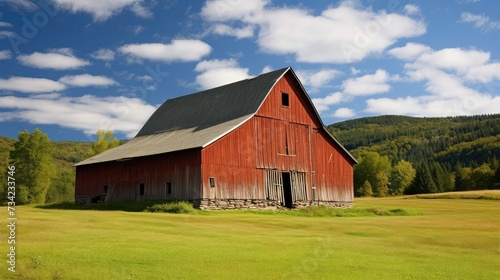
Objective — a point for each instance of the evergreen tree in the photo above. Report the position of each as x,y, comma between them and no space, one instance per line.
423,182
365,189
35,169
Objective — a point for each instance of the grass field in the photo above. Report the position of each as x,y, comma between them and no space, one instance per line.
451,239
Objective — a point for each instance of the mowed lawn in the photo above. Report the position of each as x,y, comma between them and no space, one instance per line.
453,239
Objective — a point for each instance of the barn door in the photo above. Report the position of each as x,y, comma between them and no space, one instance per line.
287,189
274,186
299,186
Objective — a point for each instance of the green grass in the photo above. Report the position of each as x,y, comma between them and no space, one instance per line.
451,239
483,194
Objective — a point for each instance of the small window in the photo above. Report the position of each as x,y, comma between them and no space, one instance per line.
285,101
141,189
211,182
168,187
105,189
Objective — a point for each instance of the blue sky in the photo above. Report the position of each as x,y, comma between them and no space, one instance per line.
70,67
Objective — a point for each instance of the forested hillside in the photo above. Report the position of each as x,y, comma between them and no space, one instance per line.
457,152
64,156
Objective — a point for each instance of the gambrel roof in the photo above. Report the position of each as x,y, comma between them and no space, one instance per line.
199,119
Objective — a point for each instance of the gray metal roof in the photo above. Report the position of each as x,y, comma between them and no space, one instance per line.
197,120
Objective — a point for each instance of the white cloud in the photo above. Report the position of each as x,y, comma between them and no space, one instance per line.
102,10
86,80
455,59
323,104
354,71
410,51
86,113
266,69
367,84
217,72
450,79
480,21
411,9
484,73
342,34
138,29
222,10
30,85
240,33
5,24
317,79
177,50
103,54
344,113
21,5
60,59
5,54
6,34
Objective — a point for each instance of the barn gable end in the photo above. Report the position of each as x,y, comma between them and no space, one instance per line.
254,143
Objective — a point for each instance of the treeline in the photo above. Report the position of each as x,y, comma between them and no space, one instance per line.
446,154
44,171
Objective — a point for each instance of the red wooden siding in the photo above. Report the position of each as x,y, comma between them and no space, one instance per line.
277,138
231,162
299,111
333,170
181,169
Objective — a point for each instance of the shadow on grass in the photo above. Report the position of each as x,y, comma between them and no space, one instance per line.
127,206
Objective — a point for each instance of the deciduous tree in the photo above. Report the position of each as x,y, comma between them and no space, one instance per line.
35,169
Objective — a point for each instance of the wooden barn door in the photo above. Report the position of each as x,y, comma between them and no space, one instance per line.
274,186
299,186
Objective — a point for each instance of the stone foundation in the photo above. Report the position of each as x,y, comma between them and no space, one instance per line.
225,204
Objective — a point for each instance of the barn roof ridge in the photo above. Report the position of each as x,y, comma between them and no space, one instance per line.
198,119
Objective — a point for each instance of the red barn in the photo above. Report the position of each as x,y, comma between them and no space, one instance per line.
256,143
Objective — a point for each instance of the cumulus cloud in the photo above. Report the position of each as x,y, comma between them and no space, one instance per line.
5,54
410,51
411,9
217,72
20,5
58,59
323,104
480,21
455,80
240,33
177,50
86,113
318,79
30,85
103,54
342,34
367,84
344,113
102,10
86,80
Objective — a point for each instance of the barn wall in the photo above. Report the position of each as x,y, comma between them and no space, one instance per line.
231,162
299,111
333,176
181,169
280,138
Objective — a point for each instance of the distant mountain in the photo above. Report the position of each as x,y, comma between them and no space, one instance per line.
468,140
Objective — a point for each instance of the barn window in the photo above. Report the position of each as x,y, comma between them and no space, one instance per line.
168,188
105,188
141,189
285,100
211,182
